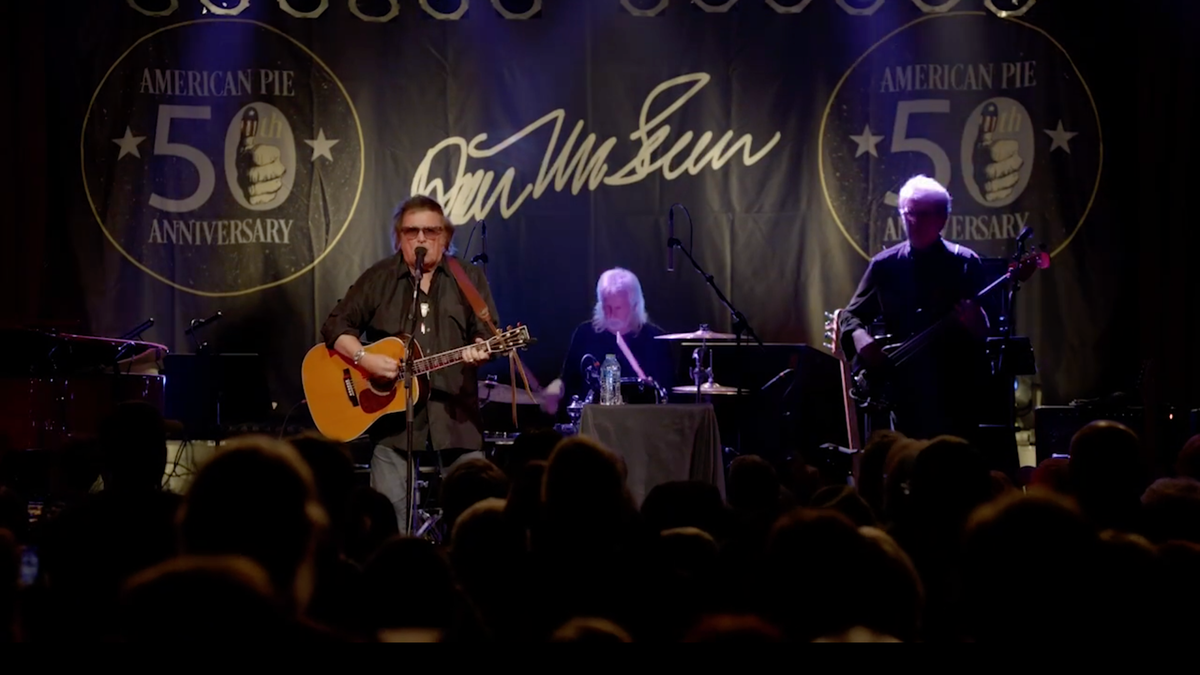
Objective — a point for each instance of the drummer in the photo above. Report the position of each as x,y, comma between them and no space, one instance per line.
619,326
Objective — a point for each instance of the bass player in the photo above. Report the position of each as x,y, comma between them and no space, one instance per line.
908,288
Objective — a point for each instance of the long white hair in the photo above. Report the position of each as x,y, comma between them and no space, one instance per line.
620,280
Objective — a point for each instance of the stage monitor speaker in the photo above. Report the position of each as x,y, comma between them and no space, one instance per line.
1056,425
212,393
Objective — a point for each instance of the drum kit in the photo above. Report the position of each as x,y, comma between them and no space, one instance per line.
491,391
634,390
702,376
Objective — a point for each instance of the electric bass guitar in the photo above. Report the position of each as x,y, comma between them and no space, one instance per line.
871,384
345,401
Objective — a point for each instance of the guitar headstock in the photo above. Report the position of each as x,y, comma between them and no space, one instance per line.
831,331
1033,261
510,339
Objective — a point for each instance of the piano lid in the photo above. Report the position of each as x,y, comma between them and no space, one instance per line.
44,353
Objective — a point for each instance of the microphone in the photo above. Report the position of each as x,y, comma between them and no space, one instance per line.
197,324
145,326
1025,234
482,257
777,378
671,240
588,366
421,252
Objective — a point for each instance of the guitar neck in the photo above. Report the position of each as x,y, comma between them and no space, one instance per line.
429,364
914,344
852,435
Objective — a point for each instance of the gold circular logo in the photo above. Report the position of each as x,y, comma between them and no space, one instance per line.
993,109
222,157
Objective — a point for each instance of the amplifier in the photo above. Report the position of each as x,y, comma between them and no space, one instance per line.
1056,425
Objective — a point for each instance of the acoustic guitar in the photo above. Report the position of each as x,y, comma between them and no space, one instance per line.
345,401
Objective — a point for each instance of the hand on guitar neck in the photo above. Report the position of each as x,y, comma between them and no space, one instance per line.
875,356
346,398
971,316
384,368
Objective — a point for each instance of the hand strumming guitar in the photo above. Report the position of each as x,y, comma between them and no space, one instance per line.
870,351
387,368
379,366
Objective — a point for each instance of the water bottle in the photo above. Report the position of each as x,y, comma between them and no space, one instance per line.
610,381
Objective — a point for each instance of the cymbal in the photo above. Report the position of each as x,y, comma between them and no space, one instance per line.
494,392
707,388
703,334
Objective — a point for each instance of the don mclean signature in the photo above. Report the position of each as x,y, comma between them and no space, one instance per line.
474,194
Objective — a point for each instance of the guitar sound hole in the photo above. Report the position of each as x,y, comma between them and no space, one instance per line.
382,387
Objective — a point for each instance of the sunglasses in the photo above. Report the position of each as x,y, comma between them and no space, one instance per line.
415,232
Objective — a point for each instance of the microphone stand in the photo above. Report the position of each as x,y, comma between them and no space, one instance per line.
132,336
136,333
1003,366
740,326
194,327
409,384
482,258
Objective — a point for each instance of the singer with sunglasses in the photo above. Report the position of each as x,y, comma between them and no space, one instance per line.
378,305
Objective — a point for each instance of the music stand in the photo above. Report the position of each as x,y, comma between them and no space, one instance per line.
212,393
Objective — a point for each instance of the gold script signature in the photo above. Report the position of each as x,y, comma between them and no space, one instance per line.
473,194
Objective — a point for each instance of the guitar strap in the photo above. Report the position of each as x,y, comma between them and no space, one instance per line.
481,310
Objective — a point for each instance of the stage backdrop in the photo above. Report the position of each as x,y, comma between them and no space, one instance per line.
197,156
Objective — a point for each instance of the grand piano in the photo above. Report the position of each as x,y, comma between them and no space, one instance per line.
57,387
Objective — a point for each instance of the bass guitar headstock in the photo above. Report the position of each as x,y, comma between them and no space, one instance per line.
1021,270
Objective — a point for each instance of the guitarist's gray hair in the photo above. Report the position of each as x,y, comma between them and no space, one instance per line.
922,188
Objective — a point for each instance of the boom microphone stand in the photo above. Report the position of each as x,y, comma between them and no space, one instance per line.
409,398
133,335
740,325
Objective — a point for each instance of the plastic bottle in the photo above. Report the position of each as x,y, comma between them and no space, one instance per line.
610,381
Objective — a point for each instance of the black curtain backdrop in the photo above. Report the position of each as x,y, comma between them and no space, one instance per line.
1118,296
